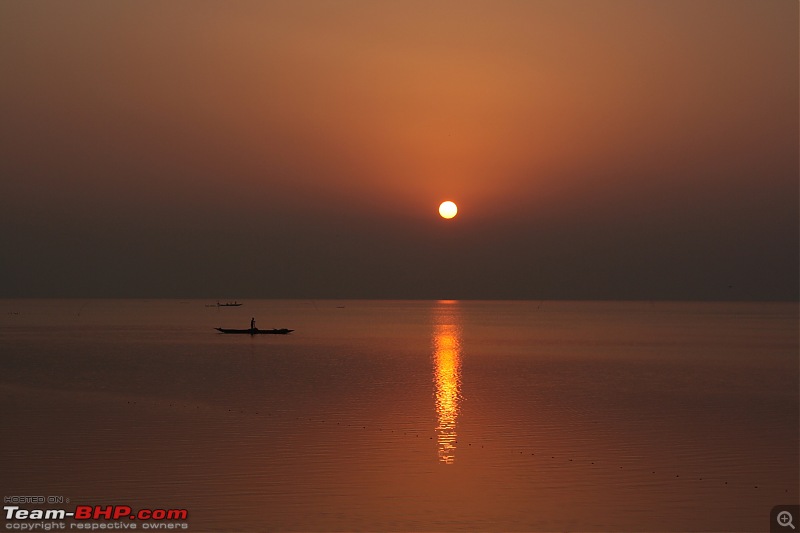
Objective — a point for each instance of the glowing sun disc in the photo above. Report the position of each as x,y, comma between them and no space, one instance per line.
448,209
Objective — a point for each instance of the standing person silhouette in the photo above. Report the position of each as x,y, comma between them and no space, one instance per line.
253,323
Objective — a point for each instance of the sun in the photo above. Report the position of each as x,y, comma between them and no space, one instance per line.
448,209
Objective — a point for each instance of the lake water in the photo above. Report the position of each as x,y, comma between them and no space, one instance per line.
406,415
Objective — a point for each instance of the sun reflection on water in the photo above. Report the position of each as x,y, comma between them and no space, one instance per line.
447,376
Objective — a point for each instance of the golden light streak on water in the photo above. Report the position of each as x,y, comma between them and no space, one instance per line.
447,377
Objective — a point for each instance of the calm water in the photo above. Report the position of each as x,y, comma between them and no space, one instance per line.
407,416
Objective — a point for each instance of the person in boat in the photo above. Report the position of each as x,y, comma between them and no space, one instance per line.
253,323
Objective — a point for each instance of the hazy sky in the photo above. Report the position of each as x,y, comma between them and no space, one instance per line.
596,149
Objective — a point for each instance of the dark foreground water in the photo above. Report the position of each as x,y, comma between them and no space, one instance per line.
405,416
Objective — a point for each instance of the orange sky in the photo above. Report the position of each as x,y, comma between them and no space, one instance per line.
651,139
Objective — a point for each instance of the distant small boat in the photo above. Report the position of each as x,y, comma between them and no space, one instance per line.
256,331
229,304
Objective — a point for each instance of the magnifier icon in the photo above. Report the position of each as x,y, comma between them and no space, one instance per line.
785,519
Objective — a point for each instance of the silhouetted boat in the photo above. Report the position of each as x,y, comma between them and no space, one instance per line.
256,331
228,304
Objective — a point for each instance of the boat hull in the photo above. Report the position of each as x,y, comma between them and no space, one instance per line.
255,331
